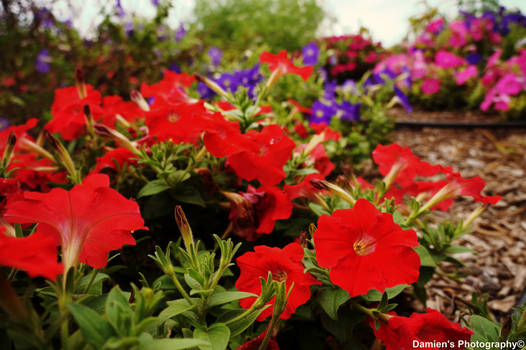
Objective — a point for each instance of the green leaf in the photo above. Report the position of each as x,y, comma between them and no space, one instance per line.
374,295
153,187
189,194
147,343
484,330
96,284
172,311
93,326
217,335
238,327
226,297
331,299
425,257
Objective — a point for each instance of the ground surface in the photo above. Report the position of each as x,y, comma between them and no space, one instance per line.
499,235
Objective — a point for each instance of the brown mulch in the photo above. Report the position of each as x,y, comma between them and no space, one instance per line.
499,235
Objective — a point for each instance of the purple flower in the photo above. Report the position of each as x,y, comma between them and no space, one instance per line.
330,90
215,55
321,113
129,28
349,86
229,81
120,10
4,123
349,111
174,67
179,34
42,62
473,58
403,99
155,3
310,53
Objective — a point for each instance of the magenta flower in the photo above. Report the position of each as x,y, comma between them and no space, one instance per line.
465,74
509,84
436,26
430,86
447,60
459,33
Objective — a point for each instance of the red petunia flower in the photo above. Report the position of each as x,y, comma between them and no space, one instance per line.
69,119
256,211
116,157
90,220
456,185
115,105
304,189
330,134
36,254
400,165
431,327
364,249
285,265
264,157
170,88
281,64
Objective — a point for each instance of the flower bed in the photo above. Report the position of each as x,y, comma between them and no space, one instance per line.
279,243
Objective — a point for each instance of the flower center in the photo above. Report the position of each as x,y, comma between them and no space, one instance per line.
279,276
173,117
364,245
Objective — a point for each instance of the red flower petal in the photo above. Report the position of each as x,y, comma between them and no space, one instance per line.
364,249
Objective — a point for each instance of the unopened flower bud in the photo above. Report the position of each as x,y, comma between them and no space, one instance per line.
121,139
212,85
80,83
139,100
184,227
63,156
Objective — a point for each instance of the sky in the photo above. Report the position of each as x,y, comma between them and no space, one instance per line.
388,20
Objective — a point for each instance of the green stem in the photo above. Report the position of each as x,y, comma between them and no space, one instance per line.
256,305
273,323
179,287
94,273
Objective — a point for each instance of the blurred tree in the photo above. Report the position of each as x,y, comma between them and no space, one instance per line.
243,24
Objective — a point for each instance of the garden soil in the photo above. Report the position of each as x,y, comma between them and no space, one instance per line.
498,267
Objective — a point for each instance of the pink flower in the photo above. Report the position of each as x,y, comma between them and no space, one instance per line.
447,59
419,69
430,86
465,74
435,26
458,34
509,85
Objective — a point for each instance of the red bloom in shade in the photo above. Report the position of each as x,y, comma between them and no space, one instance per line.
68,111
400,332
89,220
364,249
35,254
285,265
281,64
401,164
255,343
35,173
117,157
301,130
256,211
264,156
